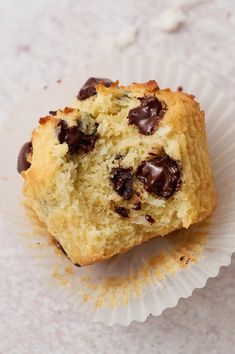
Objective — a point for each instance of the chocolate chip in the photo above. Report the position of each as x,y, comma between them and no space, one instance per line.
180,88
77,265
147,116
89,88
75,138
149,219
122,211
23,164
122,179
53,113
161,175
137,206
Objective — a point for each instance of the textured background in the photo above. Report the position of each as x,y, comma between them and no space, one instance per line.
42,41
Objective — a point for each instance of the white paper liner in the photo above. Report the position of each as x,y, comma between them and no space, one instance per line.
131,286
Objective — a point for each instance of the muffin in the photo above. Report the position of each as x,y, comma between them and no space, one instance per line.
123,165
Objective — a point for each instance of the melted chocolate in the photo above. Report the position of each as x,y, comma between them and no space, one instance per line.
160,175
137,206
149,219
147,116
89,88
122,179
122,211
23,164
75,138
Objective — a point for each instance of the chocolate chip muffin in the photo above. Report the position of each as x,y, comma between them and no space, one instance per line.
123,165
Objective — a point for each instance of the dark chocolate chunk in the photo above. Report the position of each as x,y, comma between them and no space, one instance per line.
147,116
23,164
122,211
77,265
180,88
122,179
75,138
137,206
53,113
160,175
88,89
149,219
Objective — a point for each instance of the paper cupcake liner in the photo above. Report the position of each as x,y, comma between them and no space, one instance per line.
152,276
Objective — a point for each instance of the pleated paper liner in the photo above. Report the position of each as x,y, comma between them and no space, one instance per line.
152,276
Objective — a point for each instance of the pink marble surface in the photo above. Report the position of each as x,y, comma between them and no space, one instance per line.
42,42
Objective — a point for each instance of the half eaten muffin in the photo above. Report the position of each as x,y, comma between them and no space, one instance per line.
123,165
